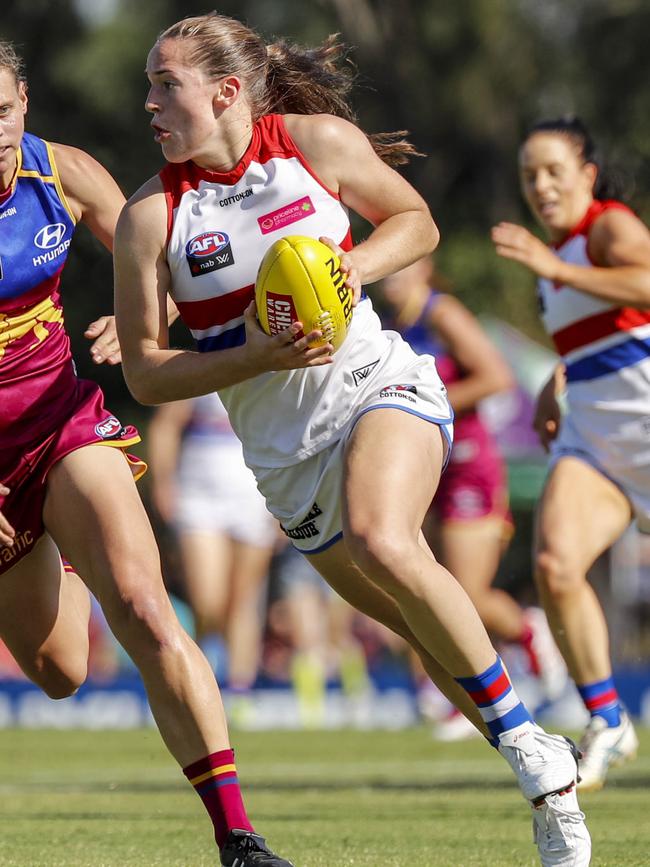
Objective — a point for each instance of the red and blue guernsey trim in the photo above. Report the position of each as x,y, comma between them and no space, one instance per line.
220,224
606,340
498,703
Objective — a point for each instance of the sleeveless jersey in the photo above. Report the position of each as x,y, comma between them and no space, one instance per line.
219,227
46,411
597,339
606,350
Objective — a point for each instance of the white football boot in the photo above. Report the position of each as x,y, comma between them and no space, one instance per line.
602,746
546,767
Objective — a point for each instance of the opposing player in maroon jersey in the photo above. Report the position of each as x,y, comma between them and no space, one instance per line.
65,483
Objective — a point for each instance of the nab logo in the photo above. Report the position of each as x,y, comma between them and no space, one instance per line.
208,251
108,428
50,236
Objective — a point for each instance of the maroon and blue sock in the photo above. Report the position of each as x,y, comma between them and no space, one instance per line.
215,780
601,699
498,703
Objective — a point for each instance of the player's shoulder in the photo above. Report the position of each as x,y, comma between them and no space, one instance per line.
323,132
615,217
75,165
145,213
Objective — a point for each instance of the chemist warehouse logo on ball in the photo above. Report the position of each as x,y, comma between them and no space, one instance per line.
50,239
207,252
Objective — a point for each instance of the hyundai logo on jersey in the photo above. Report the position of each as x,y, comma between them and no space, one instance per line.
208,251
49,236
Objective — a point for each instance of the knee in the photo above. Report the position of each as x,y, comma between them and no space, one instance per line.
380,552
555,574
144,622
59,679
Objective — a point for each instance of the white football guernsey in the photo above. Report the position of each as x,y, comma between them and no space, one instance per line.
219,227
606,351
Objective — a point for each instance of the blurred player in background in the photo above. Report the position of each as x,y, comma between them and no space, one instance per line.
469,522
66,482
320,627
201,487
594,292
347,448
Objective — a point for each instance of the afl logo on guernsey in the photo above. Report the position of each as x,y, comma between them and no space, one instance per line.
109,428
49,236
207,252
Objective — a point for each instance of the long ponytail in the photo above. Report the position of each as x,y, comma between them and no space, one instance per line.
282,77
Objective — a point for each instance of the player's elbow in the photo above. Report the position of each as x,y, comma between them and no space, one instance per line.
431,236
141,384
503,380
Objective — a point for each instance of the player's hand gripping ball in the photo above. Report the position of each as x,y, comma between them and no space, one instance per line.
299,281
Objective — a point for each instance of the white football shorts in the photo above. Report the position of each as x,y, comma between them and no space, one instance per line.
217,493
617,444
306,497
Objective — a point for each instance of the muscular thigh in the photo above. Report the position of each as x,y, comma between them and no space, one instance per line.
581,513
94,513
392,468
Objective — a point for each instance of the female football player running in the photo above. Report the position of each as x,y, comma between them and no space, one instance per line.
594,290
65,481
347,448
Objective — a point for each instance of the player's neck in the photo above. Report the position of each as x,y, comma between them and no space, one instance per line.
230,142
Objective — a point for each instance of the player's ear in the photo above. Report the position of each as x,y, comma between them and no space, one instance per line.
22,96
228,91
591,174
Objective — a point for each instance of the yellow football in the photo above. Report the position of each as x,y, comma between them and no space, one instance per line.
299,280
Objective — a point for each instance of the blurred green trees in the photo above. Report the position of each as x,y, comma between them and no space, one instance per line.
466,78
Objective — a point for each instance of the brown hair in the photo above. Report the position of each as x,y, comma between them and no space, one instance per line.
281,77
11,61
609,181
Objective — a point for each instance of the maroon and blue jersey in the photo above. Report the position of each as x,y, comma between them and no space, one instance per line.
474,485
46,411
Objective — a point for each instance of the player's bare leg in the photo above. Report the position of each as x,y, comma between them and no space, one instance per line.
393,463
44,614
472,550
581,514
105,531
343,575
206,559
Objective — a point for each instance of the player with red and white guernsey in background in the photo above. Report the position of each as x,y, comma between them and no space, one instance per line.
594,292
347,448
65,483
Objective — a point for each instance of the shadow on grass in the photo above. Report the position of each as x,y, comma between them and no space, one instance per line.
439,785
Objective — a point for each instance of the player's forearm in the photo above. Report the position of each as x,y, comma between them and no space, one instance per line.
162,375
628,284
397,242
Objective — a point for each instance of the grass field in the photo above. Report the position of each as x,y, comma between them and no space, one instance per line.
366,799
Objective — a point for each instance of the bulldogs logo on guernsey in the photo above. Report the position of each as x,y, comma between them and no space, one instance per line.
594,337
